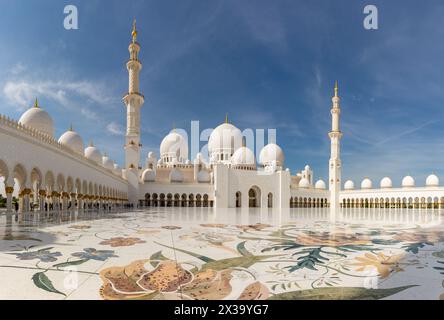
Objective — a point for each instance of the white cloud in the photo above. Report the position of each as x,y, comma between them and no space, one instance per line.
115,129
22,93
17,69
89,114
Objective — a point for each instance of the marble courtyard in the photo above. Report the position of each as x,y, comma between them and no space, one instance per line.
202,253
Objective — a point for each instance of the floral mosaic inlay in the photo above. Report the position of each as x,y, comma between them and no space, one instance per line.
162,254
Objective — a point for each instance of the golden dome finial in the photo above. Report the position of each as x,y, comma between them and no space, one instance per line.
134,32
174,126
70,127
336,88
226,118
36,103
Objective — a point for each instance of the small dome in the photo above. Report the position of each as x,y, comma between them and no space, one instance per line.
176,175
92,153
366,184
320,184
432,181
270,154
203,176
149,175
243,156
307,167
174,146
72,140
107,162
408,181
304,183
38,119
349,185
225,138
386,182
151,155
117,169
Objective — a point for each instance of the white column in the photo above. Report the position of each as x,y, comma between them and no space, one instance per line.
9,190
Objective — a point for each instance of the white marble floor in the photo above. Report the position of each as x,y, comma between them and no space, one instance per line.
200,253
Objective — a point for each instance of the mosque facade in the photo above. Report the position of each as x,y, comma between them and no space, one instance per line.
48,174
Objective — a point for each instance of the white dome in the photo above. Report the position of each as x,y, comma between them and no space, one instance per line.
151,157
432,181
307,167
117,170
243,156
408,181
386,182
72,140
38,119
225,139
304,183
92,153
270,154
174,146
107,162
203,176
149,175
320,184
349,185
366,184
176,175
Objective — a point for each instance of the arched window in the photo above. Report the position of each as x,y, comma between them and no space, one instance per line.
238,199
254,197
270,200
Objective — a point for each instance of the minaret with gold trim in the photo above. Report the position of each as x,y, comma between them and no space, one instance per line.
133,101
335,161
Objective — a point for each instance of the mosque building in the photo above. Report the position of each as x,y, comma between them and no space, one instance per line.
61,174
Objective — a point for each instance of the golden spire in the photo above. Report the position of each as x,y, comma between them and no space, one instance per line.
226,118
36,103
174,127
134,32
336,88
70,127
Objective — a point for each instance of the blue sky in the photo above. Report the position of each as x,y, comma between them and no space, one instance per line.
268,64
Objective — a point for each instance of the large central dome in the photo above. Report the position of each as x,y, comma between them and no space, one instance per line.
223,141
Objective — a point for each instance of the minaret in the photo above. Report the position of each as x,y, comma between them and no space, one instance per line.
335,162
133,101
